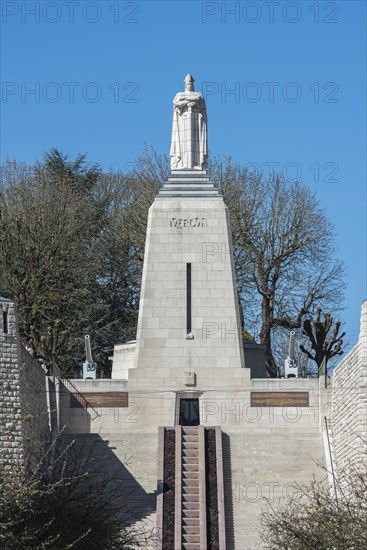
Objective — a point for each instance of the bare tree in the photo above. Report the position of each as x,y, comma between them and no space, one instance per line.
284,250
72,247
324,343
316,517
67,500
142,184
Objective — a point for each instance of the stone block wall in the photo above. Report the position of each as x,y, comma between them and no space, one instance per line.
349,403
188,313
23,396
34,405
11,445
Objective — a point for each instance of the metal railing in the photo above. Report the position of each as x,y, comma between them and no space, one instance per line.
94,414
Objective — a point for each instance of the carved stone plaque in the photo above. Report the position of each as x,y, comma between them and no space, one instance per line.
190,379
187,222
280,399
97,399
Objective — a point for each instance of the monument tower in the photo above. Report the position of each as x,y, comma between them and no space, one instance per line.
189,335
218,427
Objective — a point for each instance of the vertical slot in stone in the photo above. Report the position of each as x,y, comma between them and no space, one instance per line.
5,322
188,298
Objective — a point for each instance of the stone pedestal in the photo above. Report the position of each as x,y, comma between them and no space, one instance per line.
189,314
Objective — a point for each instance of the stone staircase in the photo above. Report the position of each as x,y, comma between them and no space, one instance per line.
188,183
190,484
190,489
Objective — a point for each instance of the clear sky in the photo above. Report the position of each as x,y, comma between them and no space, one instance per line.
284,82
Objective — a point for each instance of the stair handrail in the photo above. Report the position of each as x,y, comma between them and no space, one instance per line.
75,392
328,427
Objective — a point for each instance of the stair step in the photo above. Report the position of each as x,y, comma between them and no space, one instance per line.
190,490
190,467
190,445
193,453
195,512
190,514
191,521
189,460
190,539
190,498
192,546
189,438
192,530
187,483
190,483
187,491
190,475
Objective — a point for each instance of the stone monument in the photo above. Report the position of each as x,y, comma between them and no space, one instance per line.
189,148
187,367
189,331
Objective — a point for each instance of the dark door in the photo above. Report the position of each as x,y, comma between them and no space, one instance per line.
189,412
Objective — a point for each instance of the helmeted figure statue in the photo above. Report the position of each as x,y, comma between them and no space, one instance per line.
189,148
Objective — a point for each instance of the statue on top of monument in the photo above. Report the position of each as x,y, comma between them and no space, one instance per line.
189,148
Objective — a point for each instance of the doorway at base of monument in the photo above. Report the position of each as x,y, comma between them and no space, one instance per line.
187,408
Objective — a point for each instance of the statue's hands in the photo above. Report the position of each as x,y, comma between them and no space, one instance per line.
182,103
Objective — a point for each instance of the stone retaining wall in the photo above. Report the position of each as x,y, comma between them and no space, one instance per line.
349,403
23,396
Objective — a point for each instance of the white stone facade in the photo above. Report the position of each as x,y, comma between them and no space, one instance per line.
349,403
192,230
123,359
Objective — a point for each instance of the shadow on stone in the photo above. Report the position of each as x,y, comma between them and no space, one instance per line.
228,495
96,455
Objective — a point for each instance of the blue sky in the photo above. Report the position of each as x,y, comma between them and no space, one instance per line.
104,74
